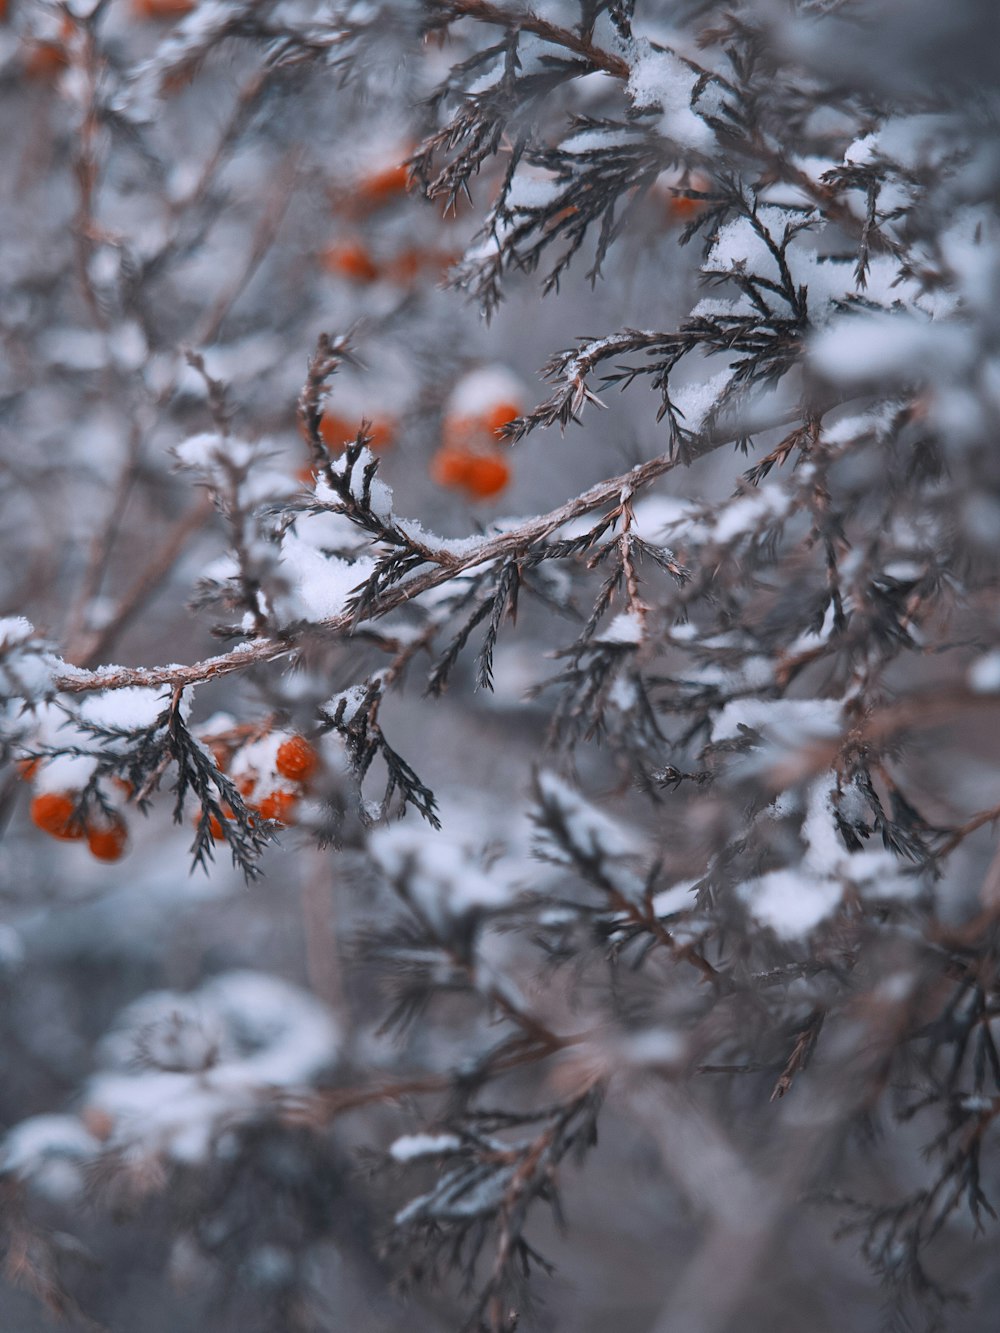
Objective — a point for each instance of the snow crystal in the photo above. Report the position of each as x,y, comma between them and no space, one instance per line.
655,1047
76,349
654,514
437,874
849,429
379,494
678,898
626,628
784,720
793,901
352,698
984,674
590,832
321,584
747,513
623,694
695,401
460,1200
64,773
659,78
790,902
740,245
533,189
49,1150
589,141
711,306
825,850
130,708
200,451
482,389
260,1031
909,141
879,346
411,1146
14,630
488,79
128,345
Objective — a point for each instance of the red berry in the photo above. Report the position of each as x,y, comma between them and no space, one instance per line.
296,759
280,806
53,813
108,839
162,9
500,414
381,186
481,475
488,475
350,259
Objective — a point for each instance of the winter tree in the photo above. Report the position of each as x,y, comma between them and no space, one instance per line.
500,665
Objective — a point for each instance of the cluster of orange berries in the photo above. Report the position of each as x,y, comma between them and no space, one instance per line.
55,813
352,259
337,430
270,774
469,459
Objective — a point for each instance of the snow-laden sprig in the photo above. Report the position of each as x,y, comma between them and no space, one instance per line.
178,1072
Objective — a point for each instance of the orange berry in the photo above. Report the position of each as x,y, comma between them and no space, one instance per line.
280,806
246,784
124,786
488,475
499,415
214,824
296,759
162,9
381,186
107,841
480,475
53,813
27,768
682,208
350,259
450,466
336,430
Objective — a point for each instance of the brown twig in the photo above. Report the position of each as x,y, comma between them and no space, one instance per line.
513,542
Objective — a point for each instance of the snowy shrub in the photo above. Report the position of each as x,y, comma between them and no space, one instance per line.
558,840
